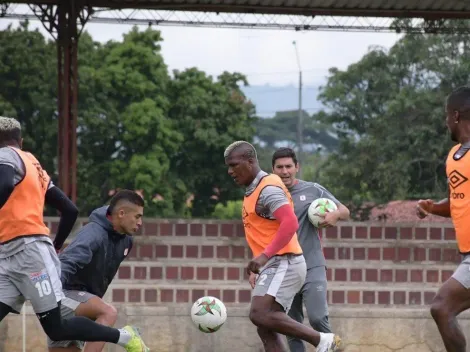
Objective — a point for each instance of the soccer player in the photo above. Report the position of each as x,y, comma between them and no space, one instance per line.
91,261
29,265
454,295
270,229
314,291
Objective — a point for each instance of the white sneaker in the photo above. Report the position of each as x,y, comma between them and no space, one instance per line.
329,343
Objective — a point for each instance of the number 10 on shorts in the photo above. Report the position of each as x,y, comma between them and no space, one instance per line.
41,283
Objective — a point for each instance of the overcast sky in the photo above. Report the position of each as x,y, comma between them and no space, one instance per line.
265,56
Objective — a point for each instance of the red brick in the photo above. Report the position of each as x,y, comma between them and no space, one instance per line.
244,296
449,234
419,254
404,254
446,275
161,251
218,274
416,275
150,295
54,226
384,297
391,233
399,297
344,253
406,233
134,295
428,297
202,273
207,252
240,230
372,275
156,273
421,233
214,293
124,272
192,251
386,275
196,294
368,297
151,229
346,232
337,297
359,253
176,251
195,230
238,252
401,275
329,274
233,274
361,232
356,275
451,255
132,254
146,251
373,253
172,272
166,229
181,229
229,296
432,276
226,230
212,230
187,273
329,252
354,297
166,295
435,233
341,275
414,298
376,233
119,295
331,232
140,273
182,296
223,252
389,253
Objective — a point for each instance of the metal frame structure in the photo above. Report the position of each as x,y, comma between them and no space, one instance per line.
65,19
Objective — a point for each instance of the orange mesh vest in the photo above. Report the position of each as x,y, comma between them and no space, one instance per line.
458,178
22,214
260,231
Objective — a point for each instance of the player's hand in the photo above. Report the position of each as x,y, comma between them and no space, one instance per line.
252,280
424,208
330,219
257,263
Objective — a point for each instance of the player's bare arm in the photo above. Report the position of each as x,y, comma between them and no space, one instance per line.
7,183
331,218
428,206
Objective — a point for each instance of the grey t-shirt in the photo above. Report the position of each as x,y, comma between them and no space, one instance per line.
9,157
270,199
303,194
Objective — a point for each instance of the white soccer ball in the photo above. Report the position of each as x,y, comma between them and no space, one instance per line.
318,209
208,314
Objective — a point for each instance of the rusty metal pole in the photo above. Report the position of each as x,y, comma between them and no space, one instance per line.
67,38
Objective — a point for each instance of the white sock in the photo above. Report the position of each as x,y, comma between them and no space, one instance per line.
124,337
324,338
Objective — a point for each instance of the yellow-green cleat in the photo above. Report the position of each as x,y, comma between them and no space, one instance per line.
135,344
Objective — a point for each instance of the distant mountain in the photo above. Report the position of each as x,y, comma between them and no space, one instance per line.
269,99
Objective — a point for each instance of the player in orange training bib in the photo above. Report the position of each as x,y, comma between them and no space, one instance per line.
454,295
270,229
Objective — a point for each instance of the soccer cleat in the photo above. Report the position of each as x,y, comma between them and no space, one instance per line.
330,343
135,344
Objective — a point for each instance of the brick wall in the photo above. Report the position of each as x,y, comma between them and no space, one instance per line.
384,265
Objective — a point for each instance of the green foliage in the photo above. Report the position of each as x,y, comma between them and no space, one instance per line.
230,211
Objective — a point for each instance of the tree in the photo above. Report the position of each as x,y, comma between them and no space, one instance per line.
388,110
210,115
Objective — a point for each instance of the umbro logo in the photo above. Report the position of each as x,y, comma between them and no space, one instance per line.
456,179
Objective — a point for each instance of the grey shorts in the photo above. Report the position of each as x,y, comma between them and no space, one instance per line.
462,273
282,277
31,274
69,304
